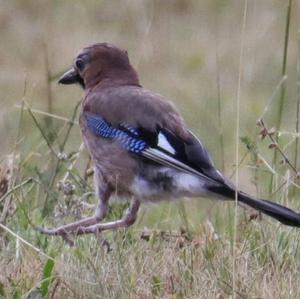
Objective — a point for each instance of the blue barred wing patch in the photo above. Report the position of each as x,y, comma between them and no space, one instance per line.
127,135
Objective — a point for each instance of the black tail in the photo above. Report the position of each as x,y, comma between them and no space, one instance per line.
279,212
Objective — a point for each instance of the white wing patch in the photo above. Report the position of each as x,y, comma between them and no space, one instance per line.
164,144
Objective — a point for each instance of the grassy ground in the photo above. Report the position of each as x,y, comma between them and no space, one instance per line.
190,52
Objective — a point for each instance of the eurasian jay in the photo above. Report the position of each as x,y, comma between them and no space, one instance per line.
140,146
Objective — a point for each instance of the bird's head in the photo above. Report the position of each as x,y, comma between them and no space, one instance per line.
100,62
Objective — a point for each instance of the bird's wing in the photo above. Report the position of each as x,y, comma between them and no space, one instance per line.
153,123
160,146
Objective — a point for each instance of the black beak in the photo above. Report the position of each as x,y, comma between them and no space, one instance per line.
71,77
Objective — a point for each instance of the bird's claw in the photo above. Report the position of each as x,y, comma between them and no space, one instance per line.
52,232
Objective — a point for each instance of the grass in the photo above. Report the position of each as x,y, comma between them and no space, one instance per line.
175,250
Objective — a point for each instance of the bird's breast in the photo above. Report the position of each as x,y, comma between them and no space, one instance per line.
115,164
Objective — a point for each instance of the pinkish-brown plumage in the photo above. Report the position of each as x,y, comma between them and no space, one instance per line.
140,146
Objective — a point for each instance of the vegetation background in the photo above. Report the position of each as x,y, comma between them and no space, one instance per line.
195,53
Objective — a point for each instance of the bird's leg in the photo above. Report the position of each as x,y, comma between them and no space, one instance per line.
127,220
72,228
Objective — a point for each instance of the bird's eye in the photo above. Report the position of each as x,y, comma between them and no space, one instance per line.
79,64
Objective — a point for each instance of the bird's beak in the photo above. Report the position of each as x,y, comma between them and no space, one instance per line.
70,77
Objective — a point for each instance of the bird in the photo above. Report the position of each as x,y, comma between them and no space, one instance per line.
141,147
